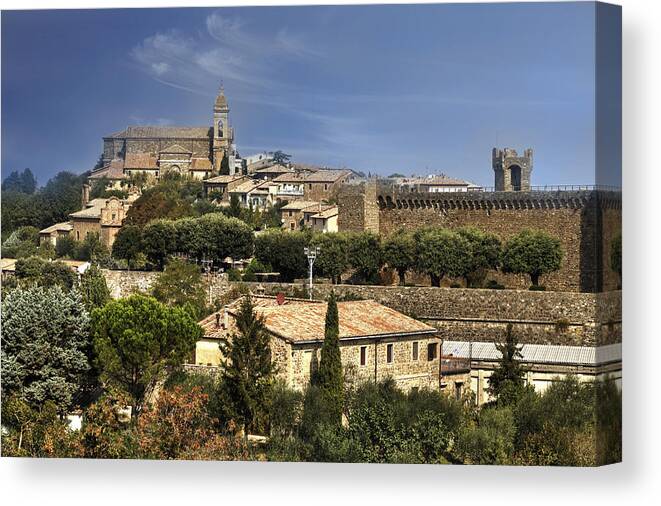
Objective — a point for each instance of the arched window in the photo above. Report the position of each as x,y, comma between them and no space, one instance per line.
220,128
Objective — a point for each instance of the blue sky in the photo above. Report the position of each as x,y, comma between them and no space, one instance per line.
408,88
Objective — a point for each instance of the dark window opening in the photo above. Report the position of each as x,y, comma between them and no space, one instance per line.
415,350
389,353
363,355
431,351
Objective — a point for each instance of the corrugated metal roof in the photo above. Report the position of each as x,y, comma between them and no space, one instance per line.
540,353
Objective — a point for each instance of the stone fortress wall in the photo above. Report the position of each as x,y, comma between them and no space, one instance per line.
585,221
461,314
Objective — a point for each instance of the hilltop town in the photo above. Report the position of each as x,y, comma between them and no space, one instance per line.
301,312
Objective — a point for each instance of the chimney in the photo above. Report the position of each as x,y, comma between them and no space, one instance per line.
226,318
217,320
86,194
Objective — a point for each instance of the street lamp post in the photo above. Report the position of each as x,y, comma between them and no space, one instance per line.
311,253
207,266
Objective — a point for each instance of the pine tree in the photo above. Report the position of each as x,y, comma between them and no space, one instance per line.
507,378
248,371
329,376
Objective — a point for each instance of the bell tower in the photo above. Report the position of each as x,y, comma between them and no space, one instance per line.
223,135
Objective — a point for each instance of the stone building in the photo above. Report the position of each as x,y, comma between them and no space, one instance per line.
220,186
469,365
376,342
100,216
155,150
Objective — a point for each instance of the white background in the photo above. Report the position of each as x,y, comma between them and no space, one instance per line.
636,481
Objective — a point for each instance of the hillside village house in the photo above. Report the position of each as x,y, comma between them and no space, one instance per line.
220,186
100,216
323,221
436,184
376,342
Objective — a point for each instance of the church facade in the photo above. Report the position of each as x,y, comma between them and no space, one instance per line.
198,152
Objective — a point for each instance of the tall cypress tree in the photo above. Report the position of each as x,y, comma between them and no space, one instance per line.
507,379
248,371
329,376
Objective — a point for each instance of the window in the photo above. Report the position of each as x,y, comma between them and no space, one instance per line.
290,213
431,351
310,186
326,187
78,235
292,225
220,128
363,355
114,216
415,350
389,353
458,390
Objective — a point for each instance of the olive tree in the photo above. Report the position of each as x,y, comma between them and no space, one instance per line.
532,252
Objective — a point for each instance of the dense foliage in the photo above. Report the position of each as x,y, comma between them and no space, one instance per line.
45,345
180,284
248,371
136,338
284,252
41,208
532,252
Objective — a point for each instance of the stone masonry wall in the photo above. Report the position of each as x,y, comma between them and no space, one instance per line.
463,314
584,221
570,318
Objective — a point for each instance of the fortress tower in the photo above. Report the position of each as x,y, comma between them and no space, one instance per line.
512,172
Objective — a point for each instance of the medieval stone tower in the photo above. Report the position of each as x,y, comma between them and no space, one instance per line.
512,171
223,134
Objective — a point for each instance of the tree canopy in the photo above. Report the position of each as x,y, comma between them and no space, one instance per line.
440,253
180,284
45,335
136,337
532,252
284,252
22,182
399,253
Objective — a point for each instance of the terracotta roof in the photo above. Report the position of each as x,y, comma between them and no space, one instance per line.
114,170
326,176
163,132
140,161
246,187
303,321
440,180
208,324
328,213
175,148
299,205
200,164
223,179
294,177
274,169
362,318
65,226
91,210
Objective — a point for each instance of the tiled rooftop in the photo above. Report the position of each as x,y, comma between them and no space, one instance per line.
171,132
302,321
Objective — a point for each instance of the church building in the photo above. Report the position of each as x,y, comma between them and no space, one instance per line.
198,152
